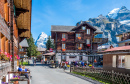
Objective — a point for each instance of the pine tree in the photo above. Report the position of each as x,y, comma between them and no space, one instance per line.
32,49
49,44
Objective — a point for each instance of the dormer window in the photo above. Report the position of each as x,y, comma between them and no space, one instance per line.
83,27
88,31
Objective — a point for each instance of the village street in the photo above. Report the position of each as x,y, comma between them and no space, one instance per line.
45,75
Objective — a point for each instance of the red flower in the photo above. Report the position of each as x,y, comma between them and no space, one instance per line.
88,45
63,39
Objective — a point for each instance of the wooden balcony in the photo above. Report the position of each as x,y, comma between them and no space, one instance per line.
4,28
125,38
100,40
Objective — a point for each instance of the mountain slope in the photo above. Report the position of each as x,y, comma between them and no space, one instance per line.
115,22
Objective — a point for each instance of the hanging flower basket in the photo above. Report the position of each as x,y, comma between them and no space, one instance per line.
88,45
79,48
63,50
63,39
4,56
79,38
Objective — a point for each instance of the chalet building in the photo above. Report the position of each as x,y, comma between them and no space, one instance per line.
75,43
21,30
124,38
117,59
23,48
41,50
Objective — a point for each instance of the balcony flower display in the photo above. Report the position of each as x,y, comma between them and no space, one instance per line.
79,48
88,45
63,50
4,56
79,38
63,39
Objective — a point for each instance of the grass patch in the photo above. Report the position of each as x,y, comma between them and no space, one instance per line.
24,63
93,78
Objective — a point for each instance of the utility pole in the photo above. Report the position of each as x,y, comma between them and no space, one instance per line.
12,33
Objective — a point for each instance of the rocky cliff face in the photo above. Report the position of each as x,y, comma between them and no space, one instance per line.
117,21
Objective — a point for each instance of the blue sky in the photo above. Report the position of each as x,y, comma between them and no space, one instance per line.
68,12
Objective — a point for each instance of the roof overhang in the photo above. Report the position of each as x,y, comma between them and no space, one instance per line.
23,14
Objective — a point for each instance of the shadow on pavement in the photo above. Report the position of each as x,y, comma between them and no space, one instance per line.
84,78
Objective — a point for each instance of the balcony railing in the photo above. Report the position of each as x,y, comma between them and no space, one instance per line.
4,28
100,40
125,38
5,67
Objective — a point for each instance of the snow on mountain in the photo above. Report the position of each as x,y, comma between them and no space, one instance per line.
41,40
113,13
126,22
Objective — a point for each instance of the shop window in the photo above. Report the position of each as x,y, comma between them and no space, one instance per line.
121,61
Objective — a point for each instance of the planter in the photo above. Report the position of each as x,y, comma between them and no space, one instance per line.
88,45
63,50
79,48
63,39
79,38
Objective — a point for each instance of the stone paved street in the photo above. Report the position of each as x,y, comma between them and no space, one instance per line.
45,75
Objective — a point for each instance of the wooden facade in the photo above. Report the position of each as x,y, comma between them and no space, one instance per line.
76,41
108,60
71,40
21,25
124,39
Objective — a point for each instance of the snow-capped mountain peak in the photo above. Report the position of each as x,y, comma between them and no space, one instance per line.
113,13
41,40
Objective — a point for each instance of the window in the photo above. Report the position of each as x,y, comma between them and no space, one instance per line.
79,45
63,35
121,61
88,41
72,56
78,35
114,61
63,46
83,27
88,31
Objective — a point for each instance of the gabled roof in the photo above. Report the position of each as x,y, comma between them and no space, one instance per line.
41,49
24,43
84,22
62,28
56,28
118,49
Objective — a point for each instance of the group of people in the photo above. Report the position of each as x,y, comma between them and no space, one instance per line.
20,69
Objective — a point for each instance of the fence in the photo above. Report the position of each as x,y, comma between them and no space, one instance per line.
99,73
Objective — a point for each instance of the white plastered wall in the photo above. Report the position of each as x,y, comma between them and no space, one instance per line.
127,61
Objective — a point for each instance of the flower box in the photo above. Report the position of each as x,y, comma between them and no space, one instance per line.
88,45
79,48
79,38
63,50
63,39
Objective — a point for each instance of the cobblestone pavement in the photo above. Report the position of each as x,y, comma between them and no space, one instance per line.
42,74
